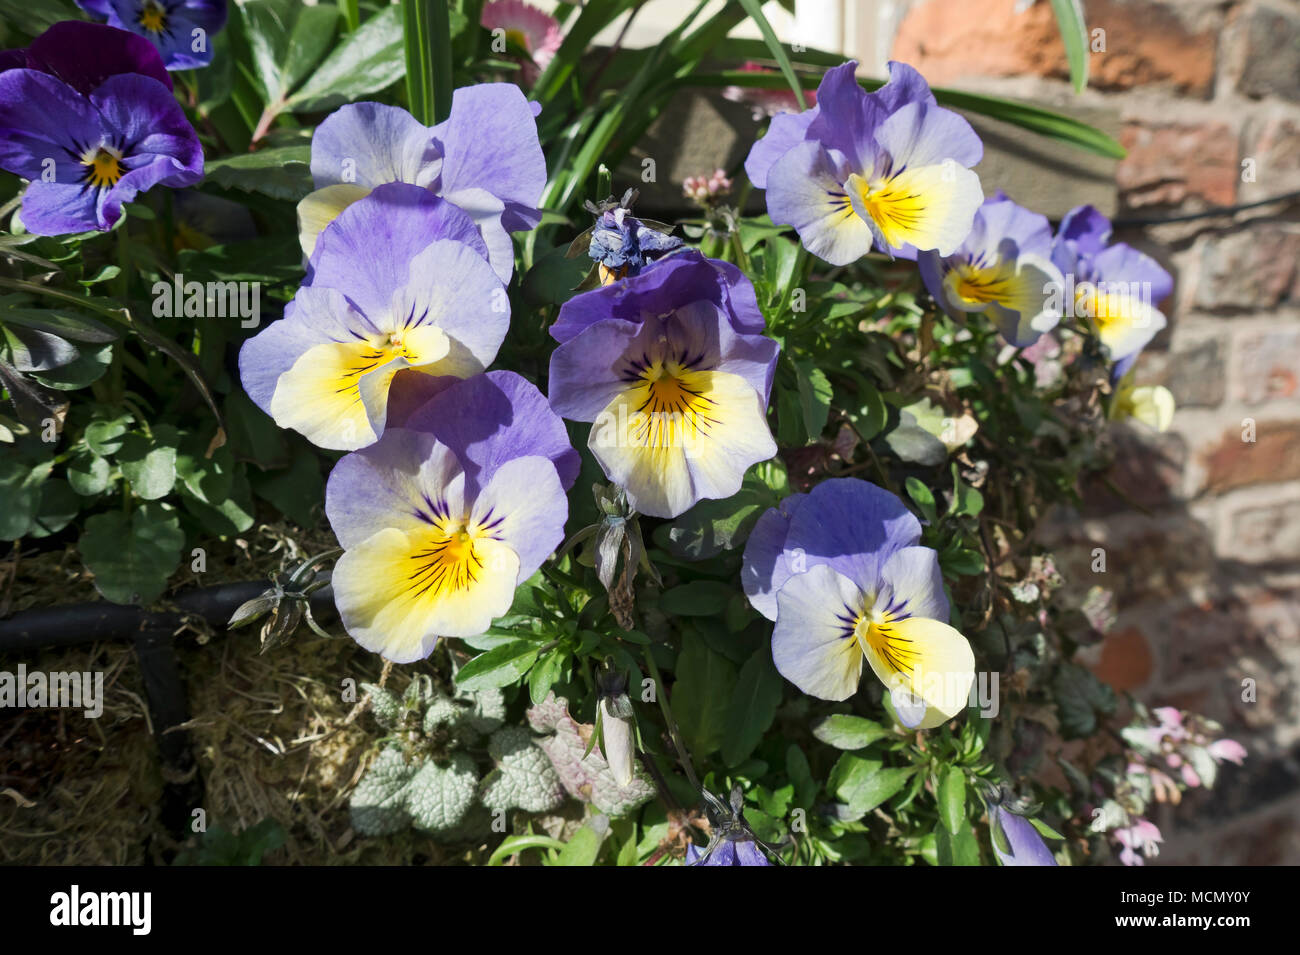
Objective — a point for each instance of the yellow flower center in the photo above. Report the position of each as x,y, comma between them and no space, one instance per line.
448,563
518,38
982,285
672,407
104,167
877,631
153,17
893,206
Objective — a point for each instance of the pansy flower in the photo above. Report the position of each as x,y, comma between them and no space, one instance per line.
88,117
840,572
1016,841
671,368
888,169
441,519
1002,269
485,158
1114,286
400,283
731,841
182,30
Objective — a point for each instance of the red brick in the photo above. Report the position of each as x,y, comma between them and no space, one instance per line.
1253,268
1126,661
1146,43
1267,364
1273,456
1168,164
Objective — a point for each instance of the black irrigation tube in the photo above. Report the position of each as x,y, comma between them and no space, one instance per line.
151,633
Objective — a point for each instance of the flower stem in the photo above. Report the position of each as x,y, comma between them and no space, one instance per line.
661,694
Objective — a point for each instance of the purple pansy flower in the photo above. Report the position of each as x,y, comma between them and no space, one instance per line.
1026,846
728,852
88,117
485,158
440,520
429,304
182,30
889,169
731,842
678,392
840,572
1003,269
1114,286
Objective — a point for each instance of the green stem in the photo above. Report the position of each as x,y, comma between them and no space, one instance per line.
661,694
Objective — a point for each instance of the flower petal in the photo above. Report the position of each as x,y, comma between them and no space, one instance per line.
805,190
812,643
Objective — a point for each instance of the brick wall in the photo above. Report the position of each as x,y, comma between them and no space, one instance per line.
1203,545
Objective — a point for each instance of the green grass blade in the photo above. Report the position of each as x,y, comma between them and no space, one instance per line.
426,28
755,10
1069,17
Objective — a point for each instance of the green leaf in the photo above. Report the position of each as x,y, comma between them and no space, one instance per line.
132,557
702,694
105,435
863,784
281,173
367,61
88,474
499,666
59,505
712,526
923,498
149,462
1069,17
1045,830
20,495
582,849
815,396
753,706
285,40
959,848
297,492
845,731
699,598
952,798
546,674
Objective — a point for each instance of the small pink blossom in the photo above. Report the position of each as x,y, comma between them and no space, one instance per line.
704,190
766,103
1141,836
1228,749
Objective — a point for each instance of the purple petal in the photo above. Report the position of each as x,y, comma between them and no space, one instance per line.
489,141
764,569
84,55
398,218
853,526
786,131
583,376
670,283
511,418
1027,846
370,144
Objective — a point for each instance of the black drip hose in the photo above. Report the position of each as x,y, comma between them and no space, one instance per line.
152,634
